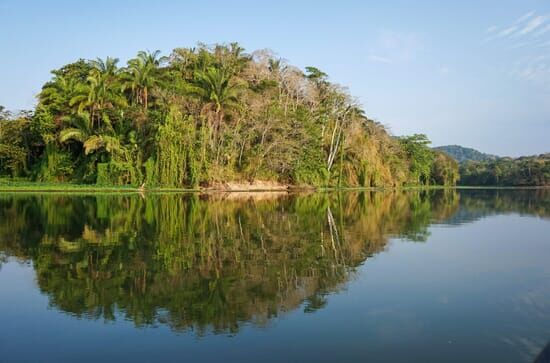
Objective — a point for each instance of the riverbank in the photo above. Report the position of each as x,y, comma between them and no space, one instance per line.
7,186
258,186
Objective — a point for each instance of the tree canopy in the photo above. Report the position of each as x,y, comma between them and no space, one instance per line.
203,116
523,171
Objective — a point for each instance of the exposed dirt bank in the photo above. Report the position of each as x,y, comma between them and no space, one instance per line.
254,186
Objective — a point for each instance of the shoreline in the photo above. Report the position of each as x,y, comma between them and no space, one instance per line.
82,188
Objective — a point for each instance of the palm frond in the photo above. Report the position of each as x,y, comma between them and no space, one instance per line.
93,143
71,134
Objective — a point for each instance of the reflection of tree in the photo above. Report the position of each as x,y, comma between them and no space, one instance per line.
479,203
205,263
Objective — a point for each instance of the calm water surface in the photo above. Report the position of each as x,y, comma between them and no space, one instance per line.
438,276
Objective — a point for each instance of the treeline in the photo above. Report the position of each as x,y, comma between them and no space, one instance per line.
203,116
523,171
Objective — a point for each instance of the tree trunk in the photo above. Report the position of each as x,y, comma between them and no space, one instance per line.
145,96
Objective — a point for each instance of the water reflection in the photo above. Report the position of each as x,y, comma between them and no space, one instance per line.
213,263
478,203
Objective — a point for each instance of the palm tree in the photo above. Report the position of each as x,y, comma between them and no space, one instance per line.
107,68
81,131
275,65
102,91
152,58
141,76
231,57
57,94
215,89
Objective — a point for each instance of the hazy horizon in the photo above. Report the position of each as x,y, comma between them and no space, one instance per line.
466,74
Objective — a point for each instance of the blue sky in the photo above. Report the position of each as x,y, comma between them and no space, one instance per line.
475,73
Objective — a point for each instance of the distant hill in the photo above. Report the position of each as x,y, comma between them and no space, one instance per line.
463,154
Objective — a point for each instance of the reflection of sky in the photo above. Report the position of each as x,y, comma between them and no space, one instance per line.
475,292
472,287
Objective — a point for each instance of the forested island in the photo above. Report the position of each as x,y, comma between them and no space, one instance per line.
205,117
216,117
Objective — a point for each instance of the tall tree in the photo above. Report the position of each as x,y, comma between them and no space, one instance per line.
420,156
142,75
215,89
102,91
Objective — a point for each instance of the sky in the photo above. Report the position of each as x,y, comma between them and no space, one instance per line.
473,73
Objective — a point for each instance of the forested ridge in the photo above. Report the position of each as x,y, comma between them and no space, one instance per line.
480,169
204,116
522,171
463,154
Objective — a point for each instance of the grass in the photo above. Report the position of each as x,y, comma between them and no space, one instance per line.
61,187
22,185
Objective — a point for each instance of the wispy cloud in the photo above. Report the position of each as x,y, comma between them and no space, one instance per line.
379,59
527,40
543,30
526,24
392,47
525,17
532,25
508,31
491,29
534,69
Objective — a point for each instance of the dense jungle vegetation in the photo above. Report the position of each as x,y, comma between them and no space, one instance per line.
523,171
204,116
480,169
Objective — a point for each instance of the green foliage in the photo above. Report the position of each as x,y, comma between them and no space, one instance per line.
524,171
444,170
420,157
177,159
18,143
309,170
463,154
56,165
13,159
103,176
204,116
116,173
151,177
